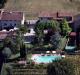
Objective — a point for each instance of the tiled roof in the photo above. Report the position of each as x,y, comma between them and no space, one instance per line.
63,13
47,14
11,15
55,14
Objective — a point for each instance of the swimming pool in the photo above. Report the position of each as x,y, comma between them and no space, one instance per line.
45,59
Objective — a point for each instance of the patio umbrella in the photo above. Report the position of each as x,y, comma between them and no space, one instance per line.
63,56
53,52
47,51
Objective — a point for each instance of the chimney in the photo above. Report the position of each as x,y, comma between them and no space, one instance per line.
57,14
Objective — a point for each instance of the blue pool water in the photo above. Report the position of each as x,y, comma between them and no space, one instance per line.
46,58
70,47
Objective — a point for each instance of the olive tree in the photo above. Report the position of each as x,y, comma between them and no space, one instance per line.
65,27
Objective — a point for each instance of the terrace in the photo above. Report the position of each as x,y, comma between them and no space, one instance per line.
57,16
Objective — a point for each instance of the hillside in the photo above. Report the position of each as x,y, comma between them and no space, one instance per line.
36,6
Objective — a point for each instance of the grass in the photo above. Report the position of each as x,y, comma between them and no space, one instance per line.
29,45
14,56
62,43
29,56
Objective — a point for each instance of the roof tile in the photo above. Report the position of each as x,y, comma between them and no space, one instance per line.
7,15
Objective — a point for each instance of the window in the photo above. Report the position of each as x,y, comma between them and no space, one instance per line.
14,24
10,24
5,24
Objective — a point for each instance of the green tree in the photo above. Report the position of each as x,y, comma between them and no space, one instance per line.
8,42
55,40
22,30
42,25
6,52
65,27
20,40
2,3
16,43
6,69
54,25
39,28
23,51
1,46
61,67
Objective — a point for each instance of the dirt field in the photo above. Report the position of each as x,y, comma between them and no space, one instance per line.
36,6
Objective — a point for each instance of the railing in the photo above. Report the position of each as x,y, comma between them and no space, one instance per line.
29,72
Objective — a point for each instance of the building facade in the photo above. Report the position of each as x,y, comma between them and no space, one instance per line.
11,19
